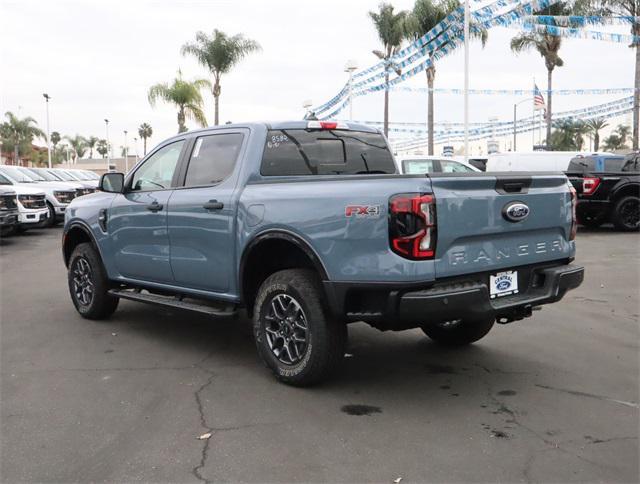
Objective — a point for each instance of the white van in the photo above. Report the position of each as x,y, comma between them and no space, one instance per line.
534,160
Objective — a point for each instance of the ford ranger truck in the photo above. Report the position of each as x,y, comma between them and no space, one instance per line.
307,226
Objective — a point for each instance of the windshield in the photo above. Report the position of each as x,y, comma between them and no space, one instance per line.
92,175
52,174
72,176
15,174
4,180
32,174
44,174
325,152
63,175
81,174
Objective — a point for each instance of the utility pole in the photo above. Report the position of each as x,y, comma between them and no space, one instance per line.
106,123
126,153
46,100
350,67
466,80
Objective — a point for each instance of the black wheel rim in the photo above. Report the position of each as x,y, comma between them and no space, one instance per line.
630,213
83,289
286,329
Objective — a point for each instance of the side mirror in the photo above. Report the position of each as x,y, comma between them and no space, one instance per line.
111,182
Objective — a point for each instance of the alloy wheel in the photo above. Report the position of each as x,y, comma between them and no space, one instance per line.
286,329
82,281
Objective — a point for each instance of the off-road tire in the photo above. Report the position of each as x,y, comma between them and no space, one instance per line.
326,338
51,220
101,304
461,334
621,221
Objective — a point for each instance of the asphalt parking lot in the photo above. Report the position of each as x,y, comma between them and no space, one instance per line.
551,398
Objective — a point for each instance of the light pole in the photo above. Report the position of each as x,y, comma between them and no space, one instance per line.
515,119
135,144
126,153
106,123
46,100
466,80
350,67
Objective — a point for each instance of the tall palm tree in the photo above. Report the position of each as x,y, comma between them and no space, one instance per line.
623,132
185,96
91,144
18,133
79,145
145,131
548,47
594,126
219,53
426,14
390,28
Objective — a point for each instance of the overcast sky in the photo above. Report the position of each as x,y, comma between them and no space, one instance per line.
97,59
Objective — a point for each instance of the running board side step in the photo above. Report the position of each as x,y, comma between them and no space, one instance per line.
225,310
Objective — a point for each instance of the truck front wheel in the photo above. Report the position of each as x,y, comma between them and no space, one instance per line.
459,332
88,284
296,336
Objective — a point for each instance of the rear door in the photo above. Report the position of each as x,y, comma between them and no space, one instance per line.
202,212
490,222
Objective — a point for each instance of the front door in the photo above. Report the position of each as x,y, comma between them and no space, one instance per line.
202,214
137,219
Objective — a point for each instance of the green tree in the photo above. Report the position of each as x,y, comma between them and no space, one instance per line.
79,145
391,30
17,135
568,135
185,96
219,53
91,144
102,147
426,14
145,131
594,126
623,132
548,47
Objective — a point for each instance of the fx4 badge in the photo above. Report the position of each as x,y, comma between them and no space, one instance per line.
362,211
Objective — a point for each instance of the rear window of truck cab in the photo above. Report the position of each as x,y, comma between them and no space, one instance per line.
290,152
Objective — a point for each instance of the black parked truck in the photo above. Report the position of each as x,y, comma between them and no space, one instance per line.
608,189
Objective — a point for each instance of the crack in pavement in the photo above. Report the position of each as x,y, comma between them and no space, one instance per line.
203,422
589,395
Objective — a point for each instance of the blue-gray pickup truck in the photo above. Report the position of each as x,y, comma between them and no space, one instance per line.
308,226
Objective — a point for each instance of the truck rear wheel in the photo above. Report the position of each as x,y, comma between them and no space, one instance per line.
626,214
88,284
459,332
296,336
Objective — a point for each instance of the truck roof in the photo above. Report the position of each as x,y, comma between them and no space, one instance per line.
298,124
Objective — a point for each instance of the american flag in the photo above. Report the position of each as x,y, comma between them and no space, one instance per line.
538,100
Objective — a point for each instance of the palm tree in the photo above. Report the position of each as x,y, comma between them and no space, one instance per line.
102,148
145,131
426,14
219,53
185,95
594,126
623,132
391,30
630,8
91,144
547,46
79,146
17,134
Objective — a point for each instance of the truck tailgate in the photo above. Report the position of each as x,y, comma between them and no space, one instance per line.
476,234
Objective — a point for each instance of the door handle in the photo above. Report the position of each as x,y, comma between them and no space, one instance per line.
213,205
154,207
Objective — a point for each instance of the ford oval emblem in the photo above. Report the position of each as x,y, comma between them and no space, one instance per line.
515,211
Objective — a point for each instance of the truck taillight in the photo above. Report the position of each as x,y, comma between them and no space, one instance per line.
412,225
589,185
574,220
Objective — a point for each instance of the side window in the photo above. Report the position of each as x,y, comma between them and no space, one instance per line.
454,167
157,172
213,158
417,167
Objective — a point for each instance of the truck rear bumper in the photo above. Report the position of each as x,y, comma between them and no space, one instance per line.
459,301
408,306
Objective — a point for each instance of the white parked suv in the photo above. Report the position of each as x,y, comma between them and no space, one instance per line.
32,204
58,195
